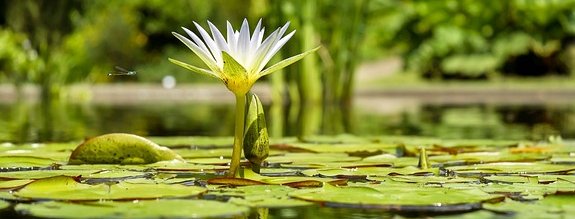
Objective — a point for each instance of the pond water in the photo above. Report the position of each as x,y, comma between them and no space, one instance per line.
34,122
378,165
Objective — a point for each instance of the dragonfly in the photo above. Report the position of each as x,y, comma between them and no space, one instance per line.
121,71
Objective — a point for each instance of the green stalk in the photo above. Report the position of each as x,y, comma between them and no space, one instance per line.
238,134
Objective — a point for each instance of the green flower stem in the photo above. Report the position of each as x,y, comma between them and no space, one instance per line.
238,135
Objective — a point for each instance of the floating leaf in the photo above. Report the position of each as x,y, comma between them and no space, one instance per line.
9,184
311,158
67,188
369,171
252,178
262,196
426,179
120,148
405,198
511,168
373,148
25,161
555,206
140,209
194,142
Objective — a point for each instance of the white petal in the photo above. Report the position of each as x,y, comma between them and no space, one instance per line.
262,51
274,50
255,37
232,39
205,57
218,37
261,37
243,44
216,52
197,40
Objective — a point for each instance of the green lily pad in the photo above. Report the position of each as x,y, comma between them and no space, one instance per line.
487,157
193,142
555,206
347,148
139,209
180,166
370,171
262,196
67,188
84,173
426,179
25,161
406,198
311,158
9,184
511,168
507,179
531,189
251,178
39,174
120,148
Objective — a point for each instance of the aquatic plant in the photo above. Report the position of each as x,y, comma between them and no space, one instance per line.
238,61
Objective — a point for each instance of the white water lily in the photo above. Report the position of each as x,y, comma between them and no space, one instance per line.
239,61
239,58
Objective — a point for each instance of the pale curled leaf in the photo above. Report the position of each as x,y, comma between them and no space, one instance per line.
194,68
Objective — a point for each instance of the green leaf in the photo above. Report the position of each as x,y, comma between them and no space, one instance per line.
67,188
407,198
286,62
139,209
120,148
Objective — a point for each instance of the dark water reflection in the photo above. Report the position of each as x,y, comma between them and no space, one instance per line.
34,122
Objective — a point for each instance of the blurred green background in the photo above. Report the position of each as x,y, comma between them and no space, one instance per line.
54,44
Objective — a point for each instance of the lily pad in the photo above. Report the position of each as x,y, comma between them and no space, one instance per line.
140,209
373,148
262,196
406,198
310,158
25,161
511,168
120,148
370,171
251,178
555,206
9,184
426,179
67,188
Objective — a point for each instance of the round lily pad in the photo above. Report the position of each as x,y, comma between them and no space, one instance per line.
398,198
67,188
138,209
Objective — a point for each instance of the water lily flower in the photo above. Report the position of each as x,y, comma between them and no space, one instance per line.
238,60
